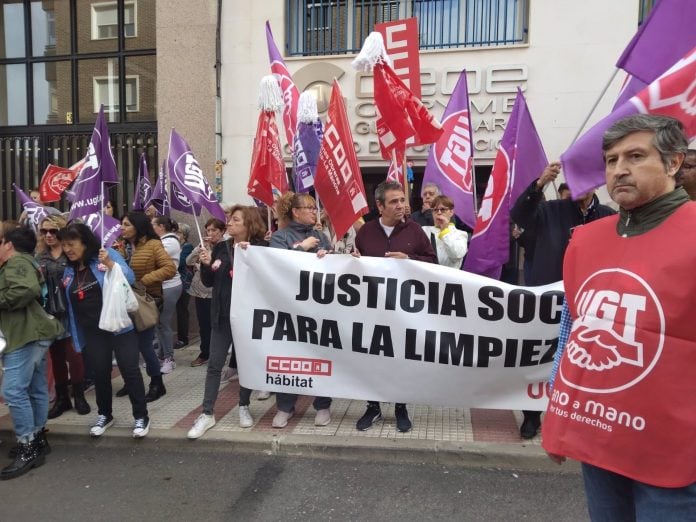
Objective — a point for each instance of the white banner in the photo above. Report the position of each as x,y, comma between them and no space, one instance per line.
390,330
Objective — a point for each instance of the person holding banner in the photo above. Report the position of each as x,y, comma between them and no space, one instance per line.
84,281
622,402
449,243
151,265
394,237
300,235
245,228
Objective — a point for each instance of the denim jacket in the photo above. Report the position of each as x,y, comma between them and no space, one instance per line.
68,276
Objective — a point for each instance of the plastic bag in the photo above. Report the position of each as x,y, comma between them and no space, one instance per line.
117,296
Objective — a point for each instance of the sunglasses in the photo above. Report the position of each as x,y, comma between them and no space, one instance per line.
52,231
440,210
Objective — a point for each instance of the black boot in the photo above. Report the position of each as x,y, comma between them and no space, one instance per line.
41,442
122,392
62,403
28,456
81,405
156,390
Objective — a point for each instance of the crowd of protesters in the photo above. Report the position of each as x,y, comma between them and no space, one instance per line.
52,281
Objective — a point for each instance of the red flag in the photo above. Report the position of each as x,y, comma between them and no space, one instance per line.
338,181
401,114
673,94
268,174
396,167
56,179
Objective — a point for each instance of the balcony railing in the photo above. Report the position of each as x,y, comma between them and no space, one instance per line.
325,27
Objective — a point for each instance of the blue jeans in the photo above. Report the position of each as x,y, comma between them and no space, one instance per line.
614,498
25,388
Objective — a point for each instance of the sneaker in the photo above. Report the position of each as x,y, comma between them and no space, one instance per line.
88,384
323,417
245,418
180,344
199,361
229,374
281,418
263,395
403,423
101,425
141,428
371,415
168,365
203,423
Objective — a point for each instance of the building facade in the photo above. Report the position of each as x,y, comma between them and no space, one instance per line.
561,54
150,63
195,65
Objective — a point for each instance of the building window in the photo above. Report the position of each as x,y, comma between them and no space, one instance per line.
105,20
106,93
323,27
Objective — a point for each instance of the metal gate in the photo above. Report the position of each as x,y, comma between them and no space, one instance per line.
23,160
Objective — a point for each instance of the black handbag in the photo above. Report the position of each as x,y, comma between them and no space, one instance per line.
55,297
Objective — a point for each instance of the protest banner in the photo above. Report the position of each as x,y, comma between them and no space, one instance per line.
390,330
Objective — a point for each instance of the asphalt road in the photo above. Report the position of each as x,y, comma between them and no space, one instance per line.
103,481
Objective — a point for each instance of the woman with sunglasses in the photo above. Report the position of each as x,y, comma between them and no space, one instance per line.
66,362
300,235
449,242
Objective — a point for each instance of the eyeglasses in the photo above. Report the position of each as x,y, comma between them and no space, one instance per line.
441,210
311,209
45,231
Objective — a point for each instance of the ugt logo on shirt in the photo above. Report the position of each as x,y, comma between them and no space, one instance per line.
618,336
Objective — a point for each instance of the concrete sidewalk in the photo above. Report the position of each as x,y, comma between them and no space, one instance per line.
444,435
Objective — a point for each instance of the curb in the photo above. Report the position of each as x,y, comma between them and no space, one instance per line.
478,454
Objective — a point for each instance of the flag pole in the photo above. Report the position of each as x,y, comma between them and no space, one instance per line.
101,186
473,185
594,107
195,219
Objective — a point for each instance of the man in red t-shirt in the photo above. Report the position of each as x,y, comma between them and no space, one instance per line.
622,401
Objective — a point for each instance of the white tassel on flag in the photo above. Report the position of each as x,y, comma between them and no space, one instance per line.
307,111
270,95
372,53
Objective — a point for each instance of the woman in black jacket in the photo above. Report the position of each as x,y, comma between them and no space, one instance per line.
244,227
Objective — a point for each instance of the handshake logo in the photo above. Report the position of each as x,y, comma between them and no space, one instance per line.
618,335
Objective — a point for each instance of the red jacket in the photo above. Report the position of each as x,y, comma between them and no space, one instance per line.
407,237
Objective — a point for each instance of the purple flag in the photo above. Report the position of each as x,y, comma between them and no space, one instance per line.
520,160
143,188
111,227
449,163
99,168
35,212
670,95
180,202
160,196
305,154
188,176
291,95
630,88
666,36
